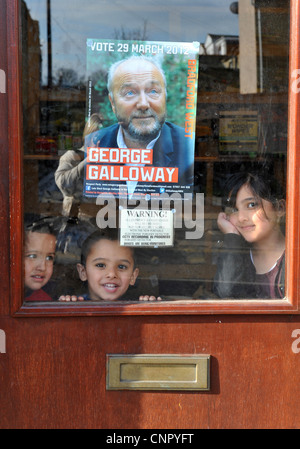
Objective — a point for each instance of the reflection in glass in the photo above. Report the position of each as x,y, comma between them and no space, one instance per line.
241,126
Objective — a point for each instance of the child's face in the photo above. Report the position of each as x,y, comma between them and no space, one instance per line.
254,220
109,270
39,258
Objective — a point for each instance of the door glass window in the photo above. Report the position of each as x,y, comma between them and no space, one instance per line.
154,149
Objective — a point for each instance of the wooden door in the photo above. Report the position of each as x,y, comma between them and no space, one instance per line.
54,357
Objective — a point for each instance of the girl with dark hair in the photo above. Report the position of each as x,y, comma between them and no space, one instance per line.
252,259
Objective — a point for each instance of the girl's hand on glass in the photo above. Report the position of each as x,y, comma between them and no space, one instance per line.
225,225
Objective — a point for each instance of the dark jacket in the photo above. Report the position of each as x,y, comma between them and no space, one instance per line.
236,276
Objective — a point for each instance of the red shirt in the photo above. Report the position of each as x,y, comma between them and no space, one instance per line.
38,295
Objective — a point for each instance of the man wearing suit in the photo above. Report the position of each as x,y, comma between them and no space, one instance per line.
137,94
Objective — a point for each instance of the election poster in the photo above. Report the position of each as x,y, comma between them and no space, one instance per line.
146,95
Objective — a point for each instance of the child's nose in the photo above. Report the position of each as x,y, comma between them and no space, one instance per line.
41,264
242,215
111,273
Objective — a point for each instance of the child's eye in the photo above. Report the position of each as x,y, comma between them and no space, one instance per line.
31,256
122,267
252,204
100,265
50,258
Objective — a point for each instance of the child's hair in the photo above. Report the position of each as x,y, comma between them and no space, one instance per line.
263,186
100,234
43,225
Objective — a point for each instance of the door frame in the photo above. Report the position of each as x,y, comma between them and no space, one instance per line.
199,307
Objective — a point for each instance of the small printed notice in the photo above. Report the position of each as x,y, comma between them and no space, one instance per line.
238,131
150,228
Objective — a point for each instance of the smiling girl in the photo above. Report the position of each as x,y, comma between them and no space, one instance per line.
251,261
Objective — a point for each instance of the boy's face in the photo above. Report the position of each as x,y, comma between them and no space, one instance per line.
39,258
109,270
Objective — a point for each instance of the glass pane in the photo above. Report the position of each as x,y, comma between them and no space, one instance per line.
179,154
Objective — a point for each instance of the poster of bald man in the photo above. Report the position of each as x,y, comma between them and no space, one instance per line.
146,95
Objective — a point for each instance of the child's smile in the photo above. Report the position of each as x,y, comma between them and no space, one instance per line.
109,270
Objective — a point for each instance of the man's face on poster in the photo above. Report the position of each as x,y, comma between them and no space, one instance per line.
139,99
